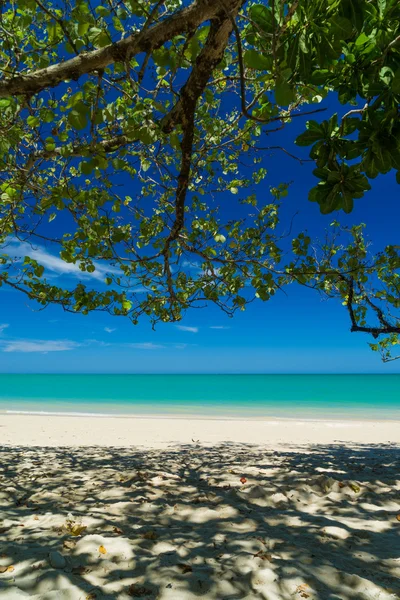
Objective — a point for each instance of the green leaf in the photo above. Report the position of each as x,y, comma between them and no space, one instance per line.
309,137
83,27
319,193
146,135
320,76
284,93
50,144
262,16
341,27
350,125
347,202
220,238
396,82
86,167
256,60
77,119
33,121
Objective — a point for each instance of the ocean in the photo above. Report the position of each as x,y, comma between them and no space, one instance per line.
233,396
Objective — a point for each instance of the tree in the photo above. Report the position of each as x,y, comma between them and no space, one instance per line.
168,97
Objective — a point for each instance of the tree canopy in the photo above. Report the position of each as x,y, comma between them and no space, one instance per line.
172,101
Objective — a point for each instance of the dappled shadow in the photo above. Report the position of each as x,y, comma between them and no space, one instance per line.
318,522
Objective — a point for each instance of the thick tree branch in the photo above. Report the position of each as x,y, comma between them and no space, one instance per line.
149,39
207,60
184,111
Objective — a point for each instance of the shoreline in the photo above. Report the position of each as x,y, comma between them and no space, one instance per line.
162,432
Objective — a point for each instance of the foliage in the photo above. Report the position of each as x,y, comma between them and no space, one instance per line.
164,99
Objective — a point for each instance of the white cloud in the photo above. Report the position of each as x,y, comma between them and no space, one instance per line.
93,341
3,326
54,263
146,346
38,345
109,329
219,327
185,328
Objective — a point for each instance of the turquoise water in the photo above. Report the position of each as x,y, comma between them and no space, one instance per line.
292,396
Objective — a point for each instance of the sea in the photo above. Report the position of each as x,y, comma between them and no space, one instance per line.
369,397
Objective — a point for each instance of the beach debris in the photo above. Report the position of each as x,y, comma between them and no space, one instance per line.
355,487
74,526
77,530
91,596
185,568
80,570
263,555
138,591
69,544
195,441
102,550
149,535
117,530
328,484
303,590
243,480
398,517
8,569
57,560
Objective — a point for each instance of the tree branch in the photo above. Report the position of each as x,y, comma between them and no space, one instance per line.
149,39
185,110
206,62
385,328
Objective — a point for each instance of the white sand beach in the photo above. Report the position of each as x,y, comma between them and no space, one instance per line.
162,431
177,509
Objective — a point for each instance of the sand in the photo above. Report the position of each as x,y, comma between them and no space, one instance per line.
161,432
177,509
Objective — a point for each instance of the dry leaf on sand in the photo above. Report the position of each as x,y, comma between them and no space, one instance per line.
137,591
185,568
77,530
102,550
150,535
263,555
303,590
80,570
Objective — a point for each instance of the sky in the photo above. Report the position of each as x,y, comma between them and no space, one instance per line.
296,332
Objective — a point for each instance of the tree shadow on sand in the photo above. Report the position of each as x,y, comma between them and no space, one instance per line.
231,521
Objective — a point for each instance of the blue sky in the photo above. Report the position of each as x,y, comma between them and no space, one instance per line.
294,333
